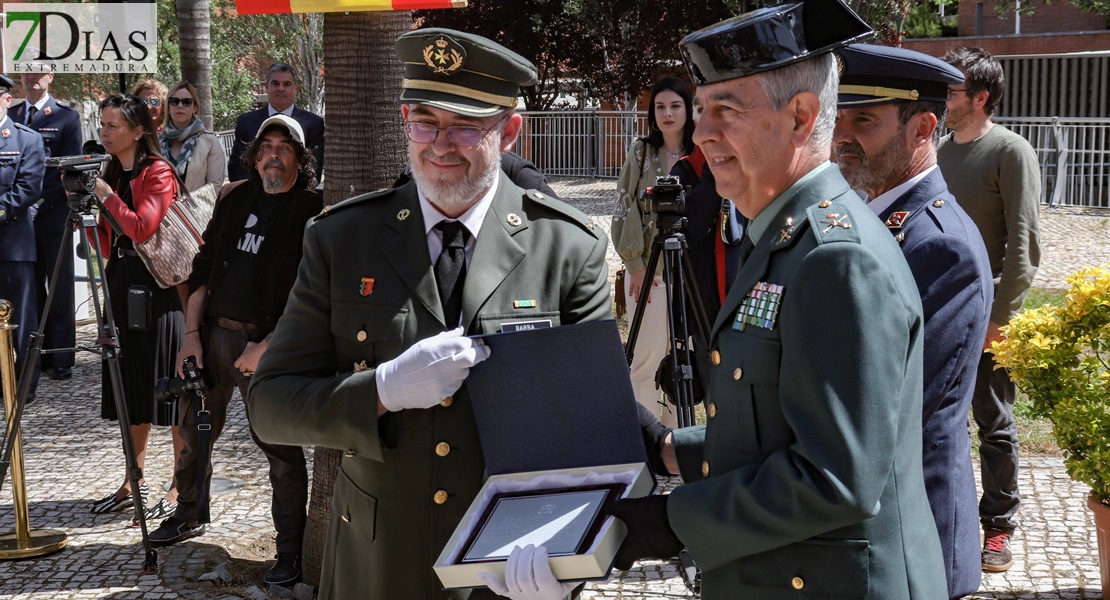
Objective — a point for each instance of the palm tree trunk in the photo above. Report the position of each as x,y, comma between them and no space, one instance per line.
366,150
196,51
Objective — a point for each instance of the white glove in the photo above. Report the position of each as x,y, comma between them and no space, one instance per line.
528,577
429,371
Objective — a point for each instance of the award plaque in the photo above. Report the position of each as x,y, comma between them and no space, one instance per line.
565,522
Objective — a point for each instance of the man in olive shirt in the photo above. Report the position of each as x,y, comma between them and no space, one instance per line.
995,176
370,353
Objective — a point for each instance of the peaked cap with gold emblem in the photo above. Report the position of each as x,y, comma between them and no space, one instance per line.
770,38
876,75
6,83
461,72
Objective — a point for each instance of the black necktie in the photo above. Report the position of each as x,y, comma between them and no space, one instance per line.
31,110
451,270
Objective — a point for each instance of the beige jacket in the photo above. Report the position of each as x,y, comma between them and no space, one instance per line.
633,229
207,165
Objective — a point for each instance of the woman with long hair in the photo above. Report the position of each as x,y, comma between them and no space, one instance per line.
670,137
193,151
136,190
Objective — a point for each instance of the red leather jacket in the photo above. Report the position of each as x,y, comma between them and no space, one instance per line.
153,189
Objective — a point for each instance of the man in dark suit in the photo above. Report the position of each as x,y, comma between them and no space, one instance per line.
281,89
21,172
891,101
806,479
60,128
370,353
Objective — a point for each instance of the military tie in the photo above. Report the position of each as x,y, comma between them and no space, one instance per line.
31,110
451,270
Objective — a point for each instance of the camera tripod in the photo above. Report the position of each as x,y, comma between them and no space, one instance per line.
681,291
81,217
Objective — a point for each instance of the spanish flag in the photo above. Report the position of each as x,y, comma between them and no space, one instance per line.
254,7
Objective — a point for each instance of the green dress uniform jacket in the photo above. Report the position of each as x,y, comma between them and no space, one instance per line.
807,478
365,292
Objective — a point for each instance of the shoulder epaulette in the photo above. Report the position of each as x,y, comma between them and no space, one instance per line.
831,222
349,202
565,209
24,128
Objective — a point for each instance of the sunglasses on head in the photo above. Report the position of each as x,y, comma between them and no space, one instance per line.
152,102
186,102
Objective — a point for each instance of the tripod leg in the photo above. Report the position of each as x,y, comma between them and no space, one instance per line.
641,302
111,352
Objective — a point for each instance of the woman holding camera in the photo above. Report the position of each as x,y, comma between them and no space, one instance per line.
194,152
671,123
136,190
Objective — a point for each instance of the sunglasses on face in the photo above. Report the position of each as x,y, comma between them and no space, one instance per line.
153,102
186,102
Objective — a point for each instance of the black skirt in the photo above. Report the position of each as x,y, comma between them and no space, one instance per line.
145,356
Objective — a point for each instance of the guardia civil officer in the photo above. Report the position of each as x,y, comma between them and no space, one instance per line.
891,103
60,128
370,353
21,173
806,479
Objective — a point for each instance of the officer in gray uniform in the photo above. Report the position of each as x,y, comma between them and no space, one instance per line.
806,479
370,352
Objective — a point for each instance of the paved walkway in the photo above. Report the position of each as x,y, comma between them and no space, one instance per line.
73,458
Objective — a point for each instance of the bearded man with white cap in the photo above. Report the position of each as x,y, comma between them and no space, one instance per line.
370,355
240,281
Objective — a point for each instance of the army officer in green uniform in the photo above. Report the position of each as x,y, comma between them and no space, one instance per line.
806,480
370,352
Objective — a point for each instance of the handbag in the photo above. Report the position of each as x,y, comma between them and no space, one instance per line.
168,254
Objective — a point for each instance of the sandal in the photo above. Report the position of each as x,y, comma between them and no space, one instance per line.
112,503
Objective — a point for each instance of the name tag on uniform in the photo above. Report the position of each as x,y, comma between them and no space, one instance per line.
514,326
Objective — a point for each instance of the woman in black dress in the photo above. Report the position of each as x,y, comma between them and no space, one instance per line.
137,189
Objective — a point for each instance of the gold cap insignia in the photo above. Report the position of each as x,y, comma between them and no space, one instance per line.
403,214
443,55
513,220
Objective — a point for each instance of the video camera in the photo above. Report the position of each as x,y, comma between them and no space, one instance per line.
168,390
79,174
667,201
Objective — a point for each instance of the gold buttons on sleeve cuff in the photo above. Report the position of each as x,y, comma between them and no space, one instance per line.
443,449
705,468
738,373
349,453
715,357
440,497
797,583
446,401
712,410
361,336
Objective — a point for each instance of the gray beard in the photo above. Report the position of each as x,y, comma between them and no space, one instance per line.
450,196
272,185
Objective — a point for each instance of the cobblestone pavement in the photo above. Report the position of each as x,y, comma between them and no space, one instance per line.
73,458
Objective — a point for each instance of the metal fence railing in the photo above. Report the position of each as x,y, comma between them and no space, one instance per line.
226,138
1074,152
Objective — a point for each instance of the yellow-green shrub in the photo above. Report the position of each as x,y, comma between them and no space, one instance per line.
1060,357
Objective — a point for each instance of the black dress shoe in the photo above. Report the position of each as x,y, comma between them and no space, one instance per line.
285,572
174,530
61,373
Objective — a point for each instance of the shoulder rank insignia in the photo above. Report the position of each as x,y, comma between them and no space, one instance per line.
897,219
760,307
835,220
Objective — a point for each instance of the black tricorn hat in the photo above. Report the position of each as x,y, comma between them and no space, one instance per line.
769,38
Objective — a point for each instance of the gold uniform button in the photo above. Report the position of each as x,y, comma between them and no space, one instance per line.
938,203
712,410
705,468
446,402
361,336
738,373
349,453
346,518
715,357
443,449
440,497
824,204
797,583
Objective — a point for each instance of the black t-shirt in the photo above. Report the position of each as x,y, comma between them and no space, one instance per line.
237,296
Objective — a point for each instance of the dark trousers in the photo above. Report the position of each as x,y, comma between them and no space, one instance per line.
51,225
992,406
16,287
288,470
